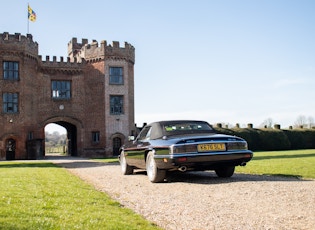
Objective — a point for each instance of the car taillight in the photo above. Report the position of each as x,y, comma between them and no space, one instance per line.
183,149
237,145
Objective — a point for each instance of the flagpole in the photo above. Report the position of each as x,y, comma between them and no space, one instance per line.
28,21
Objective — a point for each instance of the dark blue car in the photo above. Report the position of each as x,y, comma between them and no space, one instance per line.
183,145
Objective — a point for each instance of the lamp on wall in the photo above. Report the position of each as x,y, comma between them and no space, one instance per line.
11,120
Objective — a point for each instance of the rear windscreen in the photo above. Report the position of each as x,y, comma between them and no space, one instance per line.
187,127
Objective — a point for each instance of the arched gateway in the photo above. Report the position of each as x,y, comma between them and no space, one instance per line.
91,94
74,129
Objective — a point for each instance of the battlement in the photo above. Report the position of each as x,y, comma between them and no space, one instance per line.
78,53
93,51
74,66
69,61
19,42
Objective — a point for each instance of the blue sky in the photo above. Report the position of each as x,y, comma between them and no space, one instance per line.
228,61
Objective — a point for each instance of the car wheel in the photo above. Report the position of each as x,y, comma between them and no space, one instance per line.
225,171
155,175
125,168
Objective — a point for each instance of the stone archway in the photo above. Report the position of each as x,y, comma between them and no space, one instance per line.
72,149
73,128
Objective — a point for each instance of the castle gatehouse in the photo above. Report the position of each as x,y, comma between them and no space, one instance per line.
90,94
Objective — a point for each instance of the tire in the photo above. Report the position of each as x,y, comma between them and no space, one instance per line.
125,168
225,171
155,175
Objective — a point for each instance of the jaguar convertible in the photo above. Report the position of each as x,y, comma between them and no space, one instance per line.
183,145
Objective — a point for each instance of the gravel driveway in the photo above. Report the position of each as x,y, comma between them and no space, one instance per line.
200,200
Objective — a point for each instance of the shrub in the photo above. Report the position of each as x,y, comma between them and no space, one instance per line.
274,139
269,139
296,139
309,137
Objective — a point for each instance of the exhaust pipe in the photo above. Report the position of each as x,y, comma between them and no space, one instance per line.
243,164
182,168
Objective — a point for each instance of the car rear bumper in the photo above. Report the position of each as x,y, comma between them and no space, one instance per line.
203,161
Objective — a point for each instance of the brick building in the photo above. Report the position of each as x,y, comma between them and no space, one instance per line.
91,94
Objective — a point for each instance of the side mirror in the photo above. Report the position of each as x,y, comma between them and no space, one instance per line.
131,138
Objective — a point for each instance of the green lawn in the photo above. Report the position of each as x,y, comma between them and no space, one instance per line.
37,195
295,163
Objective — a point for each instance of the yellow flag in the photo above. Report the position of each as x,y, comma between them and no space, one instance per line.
31,14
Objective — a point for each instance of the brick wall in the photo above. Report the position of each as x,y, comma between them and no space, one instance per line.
85,112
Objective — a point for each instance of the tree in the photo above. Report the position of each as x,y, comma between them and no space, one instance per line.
268,123
310,122
55,138
301,122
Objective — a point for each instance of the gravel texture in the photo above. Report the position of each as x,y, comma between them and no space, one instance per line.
200,200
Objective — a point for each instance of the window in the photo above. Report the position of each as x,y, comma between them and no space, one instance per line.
10,70
145,134
116,105
116,76
61,89
10,103
95,137
30,136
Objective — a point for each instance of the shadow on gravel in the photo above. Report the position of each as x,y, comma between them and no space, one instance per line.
76,162
199,177
209,177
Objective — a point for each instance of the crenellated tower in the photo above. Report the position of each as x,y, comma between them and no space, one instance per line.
90,93
92,51
105,57
18,43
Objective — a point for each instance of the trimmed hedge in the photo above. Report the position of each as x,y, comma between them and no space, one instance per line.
274,140
296,139
269,139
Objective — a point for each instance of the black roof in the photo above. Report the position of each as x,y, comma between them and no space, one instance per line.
158,130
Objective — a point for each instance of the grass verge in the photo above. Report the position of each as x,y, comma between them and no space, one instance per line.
39,195
293,163
107,159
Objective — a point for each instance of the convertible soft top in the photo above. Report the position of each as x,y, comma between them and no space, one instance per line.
179,127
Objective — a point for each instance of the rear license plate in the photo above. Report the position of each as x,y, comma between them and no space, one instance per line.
211,147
